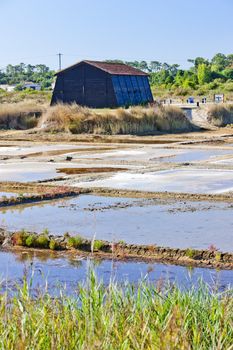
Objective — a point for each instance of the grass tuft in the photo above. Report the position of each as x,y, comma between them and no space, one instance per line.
53,245
42,241
30,241
98,245
74,242
190,253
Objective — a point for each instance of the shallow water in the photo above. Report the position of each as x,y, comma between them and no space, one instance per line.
8,194
177,180
24,150
26,171
68,272
225,161
173,224
194,155
159,154
143,153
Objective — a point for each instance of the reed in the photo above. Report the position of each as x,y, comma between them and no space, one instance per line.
135,120
22,115
220,115
98,316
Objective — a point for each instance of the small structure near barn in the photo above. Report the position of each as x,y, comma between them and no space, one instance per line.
32,86
23,86
102,84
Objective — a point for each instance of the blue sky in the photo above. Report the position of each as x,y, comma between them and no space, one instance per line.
34,31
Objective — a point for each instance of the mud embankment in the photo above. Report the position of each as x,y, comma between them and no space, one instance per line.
52,194
38,192
118,250
221,197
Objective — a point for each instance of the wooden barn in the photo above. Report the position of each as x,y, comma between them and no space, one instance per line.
102,84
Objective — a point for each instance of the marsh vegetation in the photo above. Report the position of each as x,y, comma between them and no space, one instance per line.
97,316
135,120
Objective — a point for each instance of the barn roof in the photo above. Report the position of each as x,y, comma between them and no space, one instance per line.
109,67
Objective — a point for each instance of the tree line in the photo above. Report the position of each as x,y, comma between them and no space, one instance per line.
20,73
219,69
203,72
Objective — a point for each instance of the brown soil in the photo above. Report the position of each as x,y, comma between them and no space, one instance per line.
30,187
77,171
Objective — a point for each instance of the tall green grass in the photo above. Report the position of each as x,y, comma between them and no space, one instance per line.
117,317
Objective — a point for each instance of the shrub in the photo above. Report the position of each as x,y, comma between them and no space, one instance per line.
190,253
98,245
19,238
220,115
74,242
122,242
229,86
42,241
53,245
21,115
30,241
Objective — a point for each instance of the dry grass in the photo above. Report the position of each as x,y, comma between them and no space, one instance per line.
220,115
38,97
77,120
22,115
135,120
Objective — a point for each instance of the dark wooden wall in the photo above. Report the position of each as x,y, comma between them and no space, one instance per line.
85,85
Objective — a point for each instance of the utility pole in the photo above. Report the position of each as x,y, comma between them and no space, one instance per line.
59,59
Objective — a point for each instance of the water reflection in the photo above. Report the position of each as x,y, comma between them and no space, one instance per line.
196,225
56,270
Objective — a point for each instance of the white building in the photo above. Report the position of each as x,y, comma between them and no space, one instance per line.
7,87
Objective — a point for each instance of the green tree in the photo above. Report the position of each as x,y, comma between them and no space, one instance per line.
155,66
203,74
228,73
219,62
230,60
197,61
144,66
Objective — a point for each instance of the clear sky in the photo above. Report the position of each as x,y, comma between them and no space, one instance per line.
34,31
